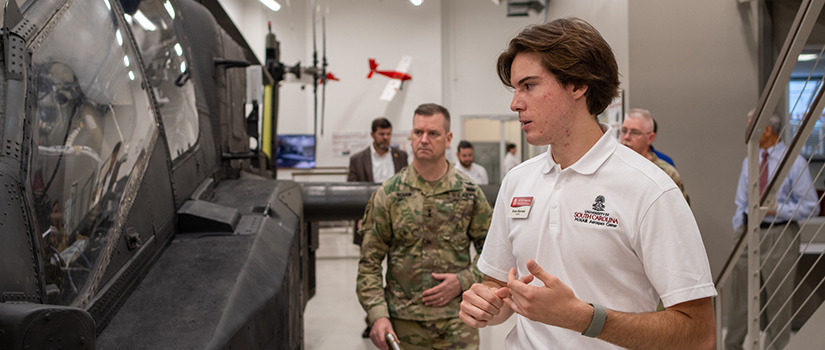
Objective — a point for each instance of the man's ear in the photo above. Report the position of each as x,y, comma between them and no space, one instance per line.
578,91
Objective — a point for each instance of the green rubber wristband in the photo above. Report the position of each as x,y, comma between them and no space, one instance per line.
597,323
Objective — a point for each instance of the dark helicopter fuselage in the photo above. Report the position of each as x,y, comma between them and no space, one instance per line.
132,214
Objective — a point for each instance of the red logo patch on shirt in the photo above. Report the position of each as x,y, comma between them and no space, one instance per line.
521,202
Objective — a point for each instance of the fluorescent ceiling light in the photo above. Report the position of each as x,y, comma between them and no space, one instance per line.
272,4
169,9
804,57
144,22
416,2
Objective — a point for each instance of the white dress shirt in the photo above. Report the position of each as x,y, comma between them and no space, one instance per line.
382,166
510,162
796,191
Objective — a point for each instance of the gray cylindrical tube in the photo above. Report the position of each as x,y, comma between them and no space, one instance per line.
330,201
392,342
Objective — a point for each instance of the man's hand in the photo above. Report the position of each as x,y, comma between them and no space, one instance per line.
380,328
554,303
771,209
482,304
447,290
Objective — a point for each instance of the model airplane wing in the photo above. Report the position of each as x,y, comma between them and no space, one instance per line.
389,91
395,84
404,64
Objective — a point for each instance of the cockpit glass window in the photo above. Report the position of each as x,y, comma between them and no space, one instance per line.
92,129
156,31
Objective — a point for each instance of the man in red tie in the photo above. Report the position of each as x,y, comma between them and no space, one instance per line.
795,200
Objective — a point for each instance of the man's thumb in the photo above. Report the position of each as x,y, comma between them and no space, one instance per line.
503,292
537,271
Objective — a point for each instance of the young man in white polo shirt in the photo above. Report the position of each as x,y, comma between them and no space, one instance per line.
586,238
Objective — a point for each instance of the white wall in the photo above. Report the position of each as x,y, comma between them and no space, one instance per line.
476,32
694,66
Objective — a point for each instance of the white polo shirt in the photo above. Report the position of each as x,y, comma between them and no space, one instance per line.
613,227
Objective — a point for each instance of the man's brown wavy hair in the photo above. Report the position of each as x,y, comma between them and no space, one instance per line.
574,52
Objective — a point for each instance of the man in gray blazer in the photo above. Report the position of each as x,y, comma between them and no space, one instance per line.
378,161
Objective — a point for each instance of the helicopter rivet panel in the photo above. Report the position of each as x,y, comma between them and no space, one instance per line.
19,279
24,28
12,148
14,55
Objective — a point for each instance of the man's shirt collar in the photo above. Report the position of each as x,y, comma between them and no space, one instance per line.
449,182
595,156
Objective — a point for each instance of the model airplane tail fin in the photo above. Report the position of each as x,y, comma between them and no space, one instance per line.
373,66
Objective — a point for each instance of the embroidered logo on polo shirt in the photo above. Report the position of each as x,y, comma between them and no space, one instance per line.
598,216
599,205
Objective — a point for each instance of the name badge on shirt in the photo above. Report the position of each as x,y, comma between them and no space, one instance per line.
520,207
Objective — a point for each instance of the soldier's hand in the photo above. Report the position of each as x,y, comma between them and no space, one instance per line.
444,292
481,303
380,328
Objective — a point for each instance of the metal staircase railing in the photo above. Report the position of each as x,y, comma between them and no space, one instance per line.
760,316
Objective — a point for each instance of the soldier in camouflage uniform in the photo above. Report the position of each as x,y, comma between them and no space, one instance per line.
423,219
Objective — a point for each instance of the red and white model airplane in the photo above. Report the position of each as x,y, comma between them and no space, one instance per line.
329,77
397,77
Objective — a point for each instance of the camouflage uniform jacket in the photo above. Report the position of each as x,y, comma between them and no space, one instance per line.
423,227
671,171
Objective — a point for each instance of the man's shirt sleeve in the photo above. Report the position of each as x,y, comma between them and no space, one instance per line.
477,232
802,200
377,232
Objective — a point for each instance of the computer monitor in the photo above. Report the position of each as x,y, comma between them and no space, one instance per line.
295,151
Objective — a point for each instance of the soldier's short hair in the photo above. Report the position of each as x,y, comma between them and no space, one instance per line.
431,109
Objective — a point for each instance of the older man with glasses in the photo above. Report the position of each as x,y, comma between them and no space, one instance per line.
638,133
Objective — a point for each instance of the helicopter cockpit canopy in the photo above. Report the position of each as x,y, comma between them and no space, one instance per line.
155,25
93,127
